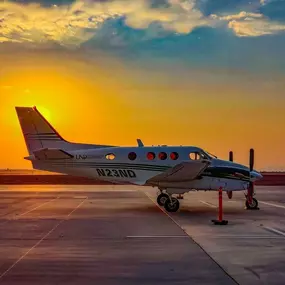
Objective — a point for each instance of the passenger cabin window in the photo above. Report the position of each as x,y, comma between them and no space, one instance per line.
132,156
110,156
162,155
174,155
150,155
195,156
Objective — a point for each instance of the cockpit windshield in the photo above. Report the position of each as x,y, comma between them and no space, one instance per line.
210,155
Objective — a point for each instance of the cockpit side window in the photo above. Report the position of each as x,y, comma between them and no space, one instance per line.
195,155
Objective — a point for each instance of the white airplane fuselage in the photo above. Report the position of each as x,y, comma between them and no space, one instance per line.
94,163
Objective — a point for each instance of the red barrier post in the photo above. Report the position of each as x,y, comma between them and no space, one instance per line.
220,220
220,204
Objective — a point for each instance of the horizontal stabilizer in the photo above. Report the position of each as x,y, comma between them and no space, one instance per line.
184,171
51,153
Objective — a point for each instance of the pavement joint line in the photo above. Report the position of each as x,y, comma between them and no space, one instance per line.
200,246
239,237
271,204
29,211
275,231
42,239
154,236
208,204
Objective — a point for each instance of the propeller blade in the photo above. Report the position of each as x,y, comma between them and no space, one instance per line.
231,156
251,159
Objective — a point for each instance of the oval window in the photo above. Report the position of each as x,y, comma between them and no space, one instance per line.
110,156
150,155
132,156
174,155
162,155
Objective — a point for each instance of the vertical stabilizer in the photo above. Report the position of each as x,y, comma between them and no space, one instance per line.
37,131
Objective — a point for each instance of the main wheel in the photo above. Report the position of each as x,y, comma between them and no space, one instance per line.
161,198
171,205
252,205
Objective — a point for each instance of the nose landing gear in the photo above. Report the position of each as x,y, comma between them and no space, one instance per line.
251,205
250,202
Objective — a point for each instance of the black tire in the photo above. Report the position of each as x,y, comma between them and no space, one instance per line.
161,198
253,205
171,205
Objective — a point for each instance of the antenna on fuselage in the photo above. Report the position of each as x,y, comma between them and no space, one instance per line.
140,143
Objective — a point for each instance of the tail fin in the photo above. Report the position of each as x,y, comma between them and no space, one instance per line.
37,131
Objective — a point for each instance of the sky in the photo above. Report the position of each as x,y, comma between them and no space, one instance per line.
208,73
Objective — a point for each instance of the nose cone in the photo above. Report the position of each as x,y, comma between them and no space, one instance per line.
254,175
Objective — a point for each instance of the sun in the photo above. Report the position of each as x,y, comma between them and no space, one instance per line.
44,111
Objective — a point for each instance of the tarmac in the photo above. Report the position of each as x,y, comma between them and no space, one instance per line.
119,235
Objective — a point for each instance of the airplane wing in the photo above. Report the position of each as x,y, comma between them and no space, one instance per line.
51,153
184,171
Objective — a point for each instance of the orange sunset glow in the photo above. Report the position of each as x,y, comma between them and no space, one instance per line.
178,77
86,103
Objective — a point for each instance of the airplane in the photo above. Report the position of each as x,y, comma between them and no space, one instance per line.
174,170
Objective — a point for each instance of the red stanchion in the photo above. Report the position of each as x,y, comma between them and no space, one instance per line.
220,220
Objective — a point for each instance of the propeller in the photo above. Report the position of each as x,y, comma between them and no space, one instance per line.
231,156
251,159
251,165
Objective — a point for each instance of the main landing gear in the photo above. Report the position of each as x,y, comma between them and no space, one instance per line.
169,203
161,198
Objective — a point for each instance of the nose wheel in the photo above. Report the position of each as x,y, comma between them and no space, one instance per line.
251,205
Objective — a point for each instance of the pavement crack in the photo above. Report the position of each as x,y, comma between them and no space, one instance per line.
252,271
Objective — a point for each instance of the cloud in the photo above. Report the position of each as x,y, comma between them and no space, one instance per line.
239,16
252,24
254,28
265,2
76,23
72,25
